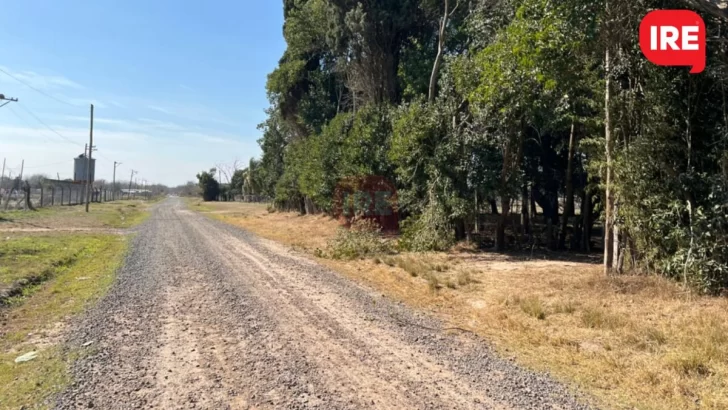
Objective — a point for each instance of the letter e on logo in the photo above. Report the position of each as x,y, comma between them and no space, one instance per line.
674,38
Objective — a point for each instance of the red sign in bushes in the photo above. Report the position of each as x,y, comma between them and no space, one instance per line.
367,197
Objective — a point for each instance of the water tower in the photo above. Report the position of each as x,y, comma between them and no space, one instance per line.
80,165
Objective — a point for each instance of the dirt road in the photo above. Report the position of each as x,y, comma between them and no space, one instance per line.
207,316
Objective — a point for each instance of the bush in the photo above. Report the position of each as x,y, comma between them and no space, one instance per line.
429,232
362,239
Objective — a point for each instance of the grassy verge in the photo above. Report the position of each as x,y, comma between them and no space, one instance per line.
108,215
630,341
36,322
29,260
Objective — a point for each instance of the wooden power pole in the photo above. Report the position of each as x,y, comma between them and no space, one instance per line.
113,183
2,178
88,159
131,178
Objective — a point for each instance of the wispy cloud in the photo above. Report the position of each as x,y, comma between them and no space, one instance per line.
163,110
164,125
219,140
84,102
40,81
97,120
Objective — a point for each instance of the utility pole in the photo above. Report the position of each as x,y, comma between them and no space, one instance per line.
131,178
7,100
88,159
2,178
113,184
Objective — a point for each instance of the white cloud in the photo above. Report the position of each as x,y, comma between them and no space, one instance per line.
163,110
41,81
84,102
97,120
218,140
164,125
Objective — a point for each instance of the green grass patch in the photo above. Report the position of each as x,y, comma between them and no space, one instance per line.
117,214
36,324
21,215
32,256
121,215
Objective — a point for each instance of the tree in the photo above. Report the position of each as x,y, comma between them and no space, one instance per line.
474,105
209,187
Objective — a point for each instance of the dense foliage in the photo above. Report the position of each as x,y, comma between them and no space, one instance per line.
209,187
474,106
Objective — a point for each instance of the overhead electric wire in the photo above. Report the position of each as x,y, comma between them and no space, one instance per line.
51,165
25,83
48,126
21,118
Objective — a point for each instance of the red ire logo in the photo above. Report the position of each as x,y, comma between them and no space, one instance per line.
674,38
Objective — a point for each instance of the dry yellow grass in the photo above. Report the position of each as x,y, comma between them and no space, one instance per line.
631,341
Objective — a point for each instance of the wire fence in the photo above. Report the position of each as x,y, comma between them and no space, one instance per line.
60,195
21,188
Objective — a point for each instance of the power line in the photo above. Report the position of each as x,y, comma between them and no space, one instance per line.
21,118
50,165
36,89
46,125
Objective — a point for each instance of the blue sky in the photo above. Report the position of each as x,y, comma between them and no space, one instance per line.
178,86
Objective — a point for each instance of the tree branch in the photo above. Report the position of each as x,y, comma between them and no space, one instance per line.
716,8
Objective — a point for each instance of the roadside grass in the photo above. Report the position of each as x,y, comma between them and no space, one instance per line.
630,341
198,205
36,257
107,215
36,322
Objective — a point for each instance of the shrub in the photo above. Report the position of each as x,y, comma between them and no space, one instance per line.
429,232
362,239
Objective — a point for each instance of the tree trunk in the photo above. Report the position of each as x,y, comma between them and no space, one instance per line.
586,207
500,237
493,206
609,147
510,165
525,211
477,213
28,203
569,205
438,58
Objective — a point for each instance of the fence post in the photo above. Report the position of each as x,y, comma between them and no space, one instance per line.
41,196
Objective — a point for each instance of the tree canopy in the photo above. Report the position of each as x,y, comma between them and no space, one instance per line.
521,122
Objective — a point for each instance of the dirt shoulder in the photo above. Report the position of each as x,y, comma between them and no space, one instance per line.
632,341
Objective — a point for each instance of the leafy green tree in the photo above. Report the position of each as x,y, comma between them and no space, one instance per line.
209,187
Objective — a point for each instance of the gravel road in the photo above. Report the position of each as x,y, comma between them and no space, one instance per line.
207,316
